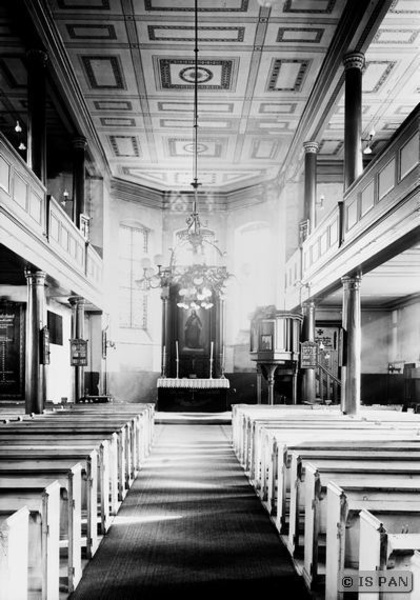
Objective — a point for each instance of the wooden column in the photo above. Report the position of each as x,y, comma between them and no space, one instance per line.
353,157
311,150
294,384
271,370
351,373
78,331
37,121
308,335
35,321
79,146
259,381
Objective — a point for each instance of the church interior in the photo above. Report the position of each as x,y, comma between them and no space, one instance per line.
209,298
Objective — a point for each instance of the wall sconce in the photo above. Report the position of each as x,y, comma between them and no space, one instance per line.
18,129
65,198
368,147
320,202
107,343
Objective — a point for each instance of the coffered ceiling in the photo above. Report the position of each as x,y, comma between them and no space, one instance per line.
269,79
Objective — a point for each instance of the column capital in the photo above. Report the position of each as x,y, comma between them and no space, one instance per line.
76,301
311,147
38,56
37,277
308,305
354,60
351,282
79,143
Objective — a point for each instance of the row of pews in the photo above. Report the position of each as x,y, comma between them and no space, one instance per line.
342,491
63,476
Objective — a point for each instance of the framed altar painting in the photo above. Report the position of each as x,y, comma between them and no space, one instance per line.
194,330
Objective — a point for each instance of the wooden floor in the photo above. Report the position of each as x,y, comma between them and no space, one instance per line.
190,524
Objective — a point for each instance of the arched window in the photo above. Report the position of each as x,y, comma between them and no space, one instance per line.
253,270
133,247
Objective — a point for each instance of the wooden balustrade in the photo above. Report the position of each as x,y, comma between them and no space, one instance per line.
388,187
25,203
329,385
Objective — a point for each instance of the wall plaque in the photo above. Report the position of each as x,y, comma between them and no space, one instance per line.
12,350
308,355
78,353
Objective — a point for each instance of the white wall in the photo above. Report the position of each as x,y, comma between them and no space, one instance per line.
137,352
59,373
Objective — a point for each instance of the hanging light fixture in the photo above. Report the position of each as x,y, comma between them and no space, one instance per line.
198,283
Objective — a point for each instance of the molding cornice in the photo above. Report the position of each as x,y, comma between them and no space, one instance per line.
128,191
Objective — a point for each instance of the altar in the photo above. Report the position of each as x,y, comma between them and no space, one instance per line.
192,394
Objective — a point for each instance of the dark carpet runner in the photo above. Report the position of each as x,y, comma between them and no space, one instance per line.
191,524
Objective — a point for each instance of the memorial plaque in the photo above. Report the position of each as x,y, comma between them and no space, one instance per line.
12,355
78,353
308,355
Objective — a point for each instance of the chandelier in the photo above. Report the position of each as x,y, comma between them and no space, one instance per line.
198,283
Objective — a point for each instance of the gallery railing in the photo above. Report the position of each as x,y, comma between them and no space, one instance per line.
25,208
387,189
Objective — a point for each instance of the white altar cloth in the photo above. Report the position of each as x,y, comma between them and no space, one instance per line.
192,384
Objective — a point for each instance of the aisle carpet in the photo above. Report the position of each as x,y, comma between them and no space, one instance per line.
190,524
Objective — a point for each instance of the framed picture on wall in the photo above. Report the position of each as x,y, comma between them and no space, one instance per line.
266,342
78,353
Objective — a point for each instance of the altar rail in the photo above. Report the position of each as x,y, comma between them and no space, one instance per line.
24,202
387,191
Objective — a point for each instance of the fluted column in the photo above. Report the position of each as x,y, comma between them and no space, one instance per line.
37,121
78,332
79,147
351,372
353,157
35,321
308,335
311,150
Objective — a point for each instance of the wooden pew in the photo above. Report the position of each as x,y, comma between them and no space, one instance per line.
44,534
242,414
327,469
14,546
266,435
55,455
386,543
94,441
282,471
316,506
70,480
145,412
344,506
126,427
17,434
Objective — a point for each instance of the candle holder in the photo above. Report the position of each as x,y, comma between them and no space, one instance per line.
164,362
177,368
211,368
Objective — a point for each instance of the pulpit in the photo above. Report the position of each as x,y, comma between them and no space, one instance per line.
275,345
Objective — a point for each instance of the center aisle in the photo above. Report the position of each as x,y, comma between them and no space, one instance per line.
191,523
